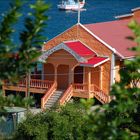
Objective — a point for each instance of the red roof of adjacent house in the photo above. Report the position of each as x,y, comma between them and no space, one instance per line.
79,48
114,34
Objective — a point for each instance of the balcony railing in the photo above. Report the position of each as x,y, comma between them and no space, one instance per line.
80,87
34,83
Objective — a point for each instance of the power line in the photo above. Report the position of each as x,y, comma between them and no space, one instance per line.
51,74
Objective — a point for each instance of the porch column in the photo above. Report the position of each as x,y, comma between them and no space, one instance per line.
71,75
101,77
55,73
89,80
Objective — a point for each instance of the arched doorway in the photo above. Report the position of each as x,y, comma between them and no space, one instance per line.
49,72
78,74
62,76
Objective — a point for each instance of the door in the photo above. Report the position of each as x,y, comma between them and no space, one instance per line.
78,75
62,76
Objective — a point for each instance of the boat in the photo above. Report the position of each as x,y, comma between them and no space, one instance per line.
71,5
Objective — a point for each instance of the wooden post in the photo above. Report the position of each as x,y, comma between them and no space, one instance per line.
28,84
101,77
55,76
89,81
71,76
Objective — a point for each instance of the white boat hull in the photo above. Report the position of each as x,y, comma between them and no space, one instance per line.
70,7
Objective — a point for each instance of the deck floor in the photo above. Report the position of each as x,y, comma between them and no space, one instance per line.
24,89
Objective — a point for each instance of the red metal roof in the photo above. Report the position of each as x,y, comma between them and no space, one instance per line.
95,61
83,51
114,33
80,48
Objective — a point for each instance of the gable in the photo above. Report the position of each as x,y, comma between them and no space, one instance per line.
61,46
83,55
77,32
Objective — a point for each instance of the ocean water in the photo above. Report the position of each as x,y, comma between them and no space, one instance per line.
96,11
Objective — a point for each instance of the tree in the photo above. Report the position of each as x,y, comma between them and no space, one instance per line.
58,124
17,60
7,60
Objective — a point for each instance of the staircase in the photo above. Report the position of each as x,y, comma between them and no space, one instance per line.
100,95
53,99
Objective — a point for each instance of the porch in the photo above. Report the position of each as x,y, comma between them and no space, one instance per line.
48,88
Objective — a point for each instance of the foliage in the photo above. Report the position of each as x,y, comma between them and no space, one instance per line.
17,59
60,124
7,47
32,38
15,101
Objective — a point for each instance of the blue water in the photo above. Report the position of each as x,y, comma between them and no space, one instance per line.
96,11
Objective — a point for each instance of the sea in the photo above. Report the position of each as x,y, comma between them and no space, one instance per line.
94,11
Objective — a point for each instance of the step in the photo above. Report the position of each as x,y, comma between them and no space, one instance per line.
54,98
51,101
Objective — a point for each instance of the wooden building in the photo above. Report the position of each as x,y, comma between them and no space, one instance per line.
83,61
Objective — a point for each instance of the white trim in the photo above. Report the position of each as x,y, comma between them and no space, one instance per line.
108,46
135,9
130,58
123,16
88,65
46,54
101,62
112,71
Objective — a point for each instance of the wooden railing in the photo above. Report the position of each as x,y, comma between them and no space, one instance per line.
99,94
80,87
48,94
34,83
67,95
